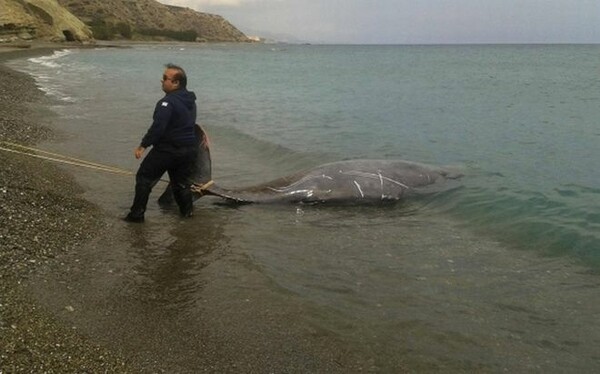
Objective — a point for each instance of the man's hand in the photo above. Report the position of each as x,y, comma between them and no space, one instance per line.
138,152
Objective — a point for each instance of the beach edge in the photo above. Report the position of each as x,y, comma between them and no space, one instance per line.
42,216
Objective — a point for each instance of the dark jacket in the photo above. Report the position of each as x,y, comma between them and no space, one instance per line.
174,120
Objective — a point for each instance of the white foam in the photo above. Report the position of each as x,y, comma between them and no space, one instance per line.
49,73
51,60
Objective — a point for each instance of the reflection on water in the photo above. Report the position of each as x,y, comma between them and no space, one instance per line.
377,288
419,290
167,268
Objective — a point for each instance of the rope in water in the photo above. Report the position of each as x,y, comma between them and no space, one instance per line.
24,150
79,162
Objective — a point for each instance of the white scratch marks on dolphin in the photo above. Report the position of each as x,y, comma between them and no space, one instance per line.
359,189
307,178
374,176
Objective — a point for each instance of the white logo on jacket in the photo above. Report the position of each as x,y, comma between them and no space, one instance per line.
164,103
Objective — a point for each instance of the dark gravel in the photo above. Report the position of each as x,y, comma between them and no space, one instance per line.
41,216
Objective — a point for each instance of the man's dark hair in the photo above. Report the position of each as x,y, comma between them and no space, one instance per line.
180,76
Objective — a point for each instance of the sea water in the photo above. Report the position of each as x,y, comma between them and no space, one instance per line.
496,274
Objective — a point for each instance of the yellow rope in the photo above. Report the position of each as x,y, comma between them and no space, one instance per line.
82,164
201,188
78,162
63,158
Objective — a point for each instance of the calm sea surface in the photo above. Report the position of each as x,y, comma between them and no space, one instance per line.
498,274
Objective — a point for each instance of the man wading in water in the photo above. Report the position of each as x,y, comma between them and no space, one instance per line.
174,146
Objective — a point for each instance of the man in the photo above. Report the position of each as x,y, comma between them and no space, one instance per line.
174,146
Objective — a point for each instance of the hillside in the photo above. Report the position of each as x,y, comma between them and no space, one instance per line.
39,19
149,18
84,20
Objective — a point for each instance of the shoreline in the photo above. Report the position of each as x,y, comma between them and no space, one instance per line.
40,48
41,217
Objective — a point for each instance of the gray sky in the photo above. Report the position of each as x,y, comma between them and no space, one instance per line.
411,21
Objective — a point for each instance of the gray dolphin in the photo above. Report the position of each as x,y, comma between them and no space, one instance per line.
343,182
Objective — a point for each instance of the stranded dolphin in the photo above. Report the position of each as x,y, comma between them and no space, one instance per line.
343,182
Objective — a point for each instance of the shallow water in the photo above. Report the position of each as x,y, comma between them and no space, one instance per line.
498,275
348,290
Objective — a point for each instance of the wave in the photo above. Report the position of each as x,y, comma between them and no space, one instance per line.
48,73
546,223
51,61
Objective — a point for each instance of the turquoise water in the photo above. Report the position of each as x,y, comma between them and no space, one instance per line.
498,274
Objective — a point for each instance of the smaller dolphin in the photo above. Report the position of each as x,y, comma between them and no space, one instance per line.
202,168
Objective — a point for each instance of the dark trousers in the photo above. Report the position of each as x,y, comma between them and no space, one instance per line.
179,163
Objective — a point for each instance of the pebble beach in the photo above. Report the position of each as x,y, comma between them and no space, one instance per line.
41,216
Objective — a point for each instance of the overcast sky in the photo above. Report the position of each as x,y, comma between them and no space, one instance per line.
411,21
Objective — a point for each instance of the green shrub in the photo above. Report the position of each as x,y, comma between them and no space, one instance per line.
125,30
102,32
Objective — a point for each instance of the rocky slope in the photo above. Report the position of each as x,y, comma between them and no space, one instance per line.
143,15
84,20
39,19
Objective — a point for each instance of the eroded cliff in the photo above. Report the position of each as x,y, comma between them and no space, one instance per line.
40,19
